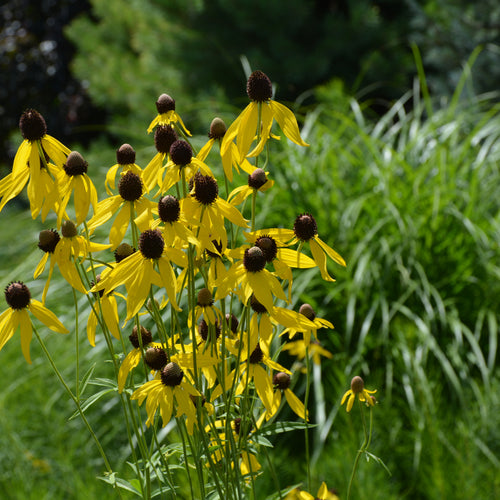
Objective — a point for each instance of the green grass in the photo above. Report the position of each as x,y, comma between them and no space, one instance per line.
412,201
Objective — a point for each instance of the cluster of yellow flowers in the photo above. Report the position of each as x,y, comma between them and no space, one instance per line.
194,268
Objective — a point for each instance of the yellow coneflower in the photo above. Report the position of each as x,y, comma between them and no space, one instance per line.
19,300
246,126
358,389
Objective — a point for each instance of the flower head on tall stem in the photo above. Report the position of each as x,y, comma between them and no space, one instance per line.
358,390
129,203
165,105
137,272
305,230
32,166
246,126
74,178
207,211
125,160
231,157
18,298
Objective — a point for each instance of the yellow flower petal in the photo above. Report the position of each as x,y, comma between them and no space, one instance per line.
120,225
48,318
7,327
128,364
331,252
24,321
295,404
320,259
287,122
263,386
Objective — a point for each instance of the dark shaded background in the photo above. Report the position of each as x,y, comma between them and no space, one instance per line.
93,63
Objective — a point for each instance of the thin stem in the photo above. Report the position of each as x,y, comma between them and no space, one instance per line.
306,428
363,448
77,404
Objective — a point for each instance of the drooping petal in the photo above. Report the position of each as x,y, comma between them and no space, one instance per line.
203,152
128,364
263,386
330,252
169,281
166,406
56,150
246,129
344,397
120,225
287,122
26,332
260,287
41,265
48,318
267,122
104,211
231,213
320,259
295,404
91,327
138,288
110,314
7,327
295,259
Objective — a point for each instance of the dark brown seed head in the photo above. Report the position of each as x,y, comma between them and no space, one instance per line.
357,385
259,87
257,355
257,178
217,129
172,375
181,152
256,305
146,337
281,380
307,311
156,358
237,425
32,125
130,186
75,164
254,260
233,322
48,239
125,155
123,251
165,103
305,227
68,229
268,246
151,243
204,329
17,295
165,136
204,298
169,208
206,189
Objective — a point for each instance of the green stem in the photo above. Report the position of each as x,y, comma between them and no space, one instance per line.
363,448
77,404
77,346
306,428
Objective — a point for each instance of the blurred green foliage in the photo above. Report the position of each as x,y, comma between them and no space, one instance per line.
193,49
